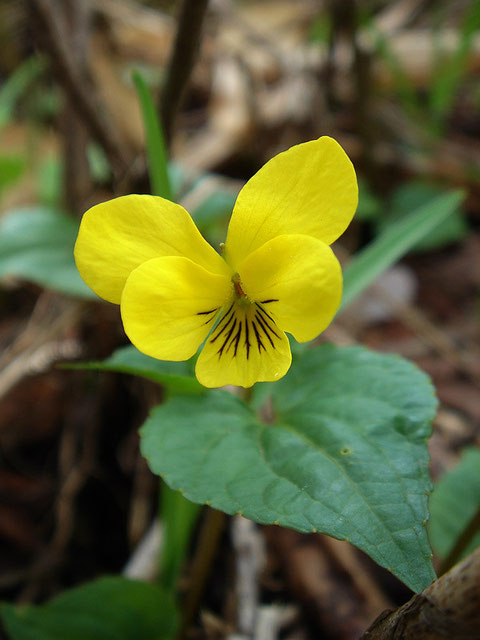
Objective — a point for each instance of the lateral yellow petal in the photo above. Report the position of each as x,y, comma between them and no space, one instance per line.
169,306
117,236
243,350
296,280
309,189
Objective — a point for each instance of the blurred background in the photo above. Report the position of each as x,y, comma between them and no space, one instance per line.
397,84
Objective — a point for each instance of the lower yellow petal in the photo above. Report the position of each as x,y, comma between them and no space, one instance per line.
169,305
244,348
118,235
297,279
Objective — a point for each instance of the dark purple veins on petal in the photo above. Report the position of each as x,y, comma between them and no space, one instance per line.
230,329
207,313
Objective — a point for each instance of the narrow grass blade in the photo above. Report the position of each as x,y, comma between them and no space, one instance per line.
395,242
156,148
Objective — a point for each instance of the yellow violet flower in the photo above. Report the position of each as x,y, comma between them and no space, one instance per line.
278,273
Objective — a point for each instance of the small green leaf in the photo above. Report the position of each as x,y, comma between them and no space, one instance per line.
16,86
394,242
347,455
36,243
156,148
454,502
11,168
110,608
177,376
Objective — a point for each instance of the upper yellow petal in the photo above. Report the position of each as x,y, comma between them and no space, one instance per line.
169,306
297,281
309,189
243,350
117,236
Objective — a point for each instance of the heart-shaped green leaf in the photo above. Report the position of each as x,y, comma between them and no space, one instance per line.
346,456
110,608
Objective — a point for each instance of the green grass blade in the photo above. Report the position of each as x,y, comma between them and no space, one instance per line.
395,242
156,148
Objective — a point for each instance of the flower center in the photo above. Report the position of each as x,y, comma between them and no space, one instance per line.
244,326
242,298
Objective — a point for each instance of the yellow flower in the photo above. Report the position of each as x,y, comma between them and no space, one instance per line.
278,272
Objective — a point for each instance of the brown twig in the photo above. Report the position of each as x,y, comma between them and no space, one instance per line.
42,341
347,558
331,600
77,181
76,460
55,41
185,48
448,608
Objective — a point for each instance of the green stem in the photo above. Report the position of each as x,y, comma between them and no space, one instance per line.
207,546
178,516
